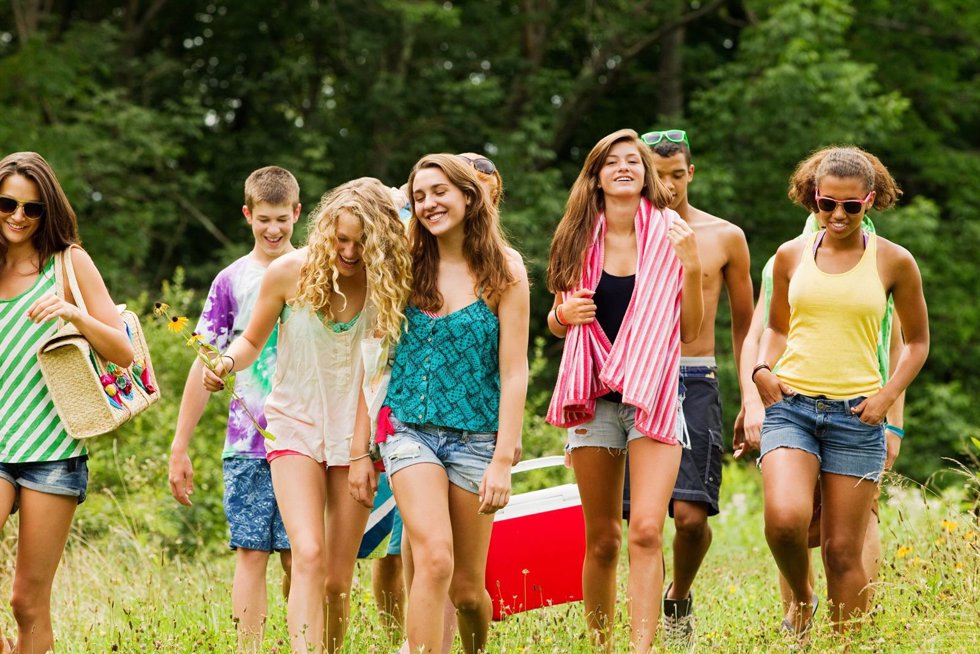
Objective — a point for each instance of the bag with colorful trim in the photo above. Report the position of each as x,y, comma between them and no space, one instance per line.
94,396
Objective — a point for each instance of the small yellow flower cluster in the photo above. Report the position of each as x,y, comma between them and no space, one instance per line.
205,351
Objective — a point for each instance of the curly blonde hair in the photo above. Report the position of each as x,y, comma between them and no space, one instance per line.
386,259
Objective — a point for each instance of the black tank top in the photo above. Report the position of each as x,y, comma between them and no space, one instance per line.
612,298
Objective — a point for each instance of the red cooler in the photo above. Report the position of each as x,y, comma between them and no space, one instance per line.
537,547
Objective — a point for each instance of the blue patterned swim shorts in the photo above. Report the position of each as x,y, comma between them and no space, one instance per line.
250,506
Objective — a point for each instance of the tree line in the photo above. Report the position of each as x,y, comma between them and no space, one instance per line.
153,112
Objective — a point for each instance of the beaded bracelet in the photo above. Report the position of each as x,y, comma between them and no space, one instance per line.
898,431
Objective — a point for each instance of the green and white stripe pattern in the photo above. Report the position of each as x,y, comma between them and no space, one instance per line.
30,428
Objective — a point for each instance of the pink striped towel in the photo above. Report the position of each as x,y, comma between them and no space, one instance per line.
644,363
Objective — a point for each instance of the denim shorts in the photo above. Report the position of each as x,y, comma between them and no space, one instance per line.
250,506
66,477
828,430
465,455
612,427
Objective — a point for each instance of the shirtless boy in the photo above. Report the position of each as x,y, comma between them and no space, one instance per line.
725,263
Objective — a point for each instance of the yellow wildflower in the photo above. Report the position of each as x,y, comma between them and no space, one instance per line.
950,526
731,589
902,552
207,352
177,323
941,540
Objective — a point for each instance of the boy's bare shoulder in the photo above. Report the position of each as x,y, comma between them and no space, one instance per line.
717,228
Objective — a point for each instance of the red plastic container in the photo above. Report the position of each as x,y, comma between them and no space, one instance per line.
537,547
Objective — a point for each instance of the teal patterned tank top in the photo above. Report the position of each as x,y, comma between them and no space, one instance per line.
447,370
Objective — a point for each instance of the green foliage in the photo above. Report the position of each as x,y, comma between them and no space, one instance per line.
793,87
118,160
154,113
128,470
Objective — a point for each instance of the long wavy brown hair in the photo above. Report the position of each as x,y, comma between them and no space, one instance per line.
586,201
844,161
484,244
59,226
386,258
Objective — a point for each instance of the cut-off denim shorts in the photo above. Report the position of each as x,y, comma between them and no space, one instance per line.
842,443
612,427
465,455
66,477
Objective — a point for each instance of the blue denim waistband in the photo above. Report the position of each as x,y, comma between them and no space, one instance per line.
824,405
699,367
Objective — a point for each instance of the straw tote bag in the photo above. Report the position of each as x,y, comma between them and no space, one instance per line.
92,395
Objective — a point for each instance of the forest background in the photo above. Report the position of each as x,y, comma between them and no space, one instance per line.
153,112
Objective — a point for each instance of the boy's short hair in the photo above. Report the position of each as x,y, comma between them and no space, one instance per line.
668,149
273,185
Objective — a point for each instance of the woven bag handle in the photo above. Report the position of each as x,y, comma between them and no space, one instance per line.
76,292
63,270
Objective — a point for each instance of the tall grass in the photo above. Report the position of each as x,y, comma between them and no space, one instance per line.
123,591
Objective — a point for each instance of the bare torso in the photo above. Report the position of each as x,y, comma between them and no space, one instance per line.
722,248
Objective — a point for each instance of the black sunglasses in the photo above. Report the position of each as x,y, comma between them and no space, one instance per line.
829,205
481,164
32,210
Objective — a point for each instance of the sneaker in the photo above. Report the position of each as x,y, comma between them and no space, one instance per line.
788,627
679,621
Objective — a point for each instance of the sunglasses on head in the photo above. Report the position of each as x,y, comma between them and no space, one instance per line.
481,164
829,205
672,135
32,210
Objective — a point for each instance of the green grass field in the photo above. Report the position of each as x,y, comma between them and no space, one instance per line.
123,593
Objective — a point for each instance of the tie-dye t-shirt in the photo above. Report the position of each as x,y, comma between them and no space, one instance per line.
226,314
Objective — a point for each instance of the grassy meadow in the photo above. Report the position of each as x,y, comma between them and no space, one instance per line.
125,592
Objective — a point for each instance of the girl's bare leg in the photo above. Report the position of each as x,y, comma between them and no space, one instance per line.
422,494
599,473
300,484
45,521
345,522
471,541
653,472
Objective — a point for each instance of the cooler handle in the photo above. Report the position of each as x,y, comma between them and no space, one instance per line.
537,464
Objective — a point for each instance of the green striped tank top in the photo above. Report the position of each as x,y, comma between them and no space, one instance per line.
30,428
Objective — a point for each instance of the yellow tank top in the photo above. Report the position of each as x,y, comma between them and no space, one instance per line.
834,327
